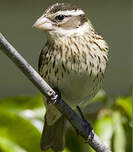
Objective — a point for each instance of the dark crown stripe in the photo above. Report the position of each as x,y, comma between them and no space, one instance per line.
62,7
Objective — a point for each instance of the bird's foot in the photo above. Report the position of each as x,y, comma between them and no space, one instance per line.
56,96
86,125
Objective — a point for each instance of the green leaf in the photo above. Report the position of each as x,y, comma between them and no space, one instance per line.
100,96
20,119
119,134
126,105
66,150
18,103
104,129
7,145
20,131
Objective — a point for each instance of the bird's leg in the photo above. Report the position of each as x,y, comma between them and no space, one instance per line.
81,113
56,96
86,125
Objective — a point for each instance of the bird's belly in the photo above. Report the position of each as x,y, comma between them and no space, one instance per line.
76,88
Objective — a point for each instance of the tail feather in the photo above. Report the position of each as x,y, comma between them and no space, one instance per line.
53,136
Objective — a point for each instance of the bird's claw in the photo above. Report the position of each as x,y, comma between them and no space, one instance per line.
56,96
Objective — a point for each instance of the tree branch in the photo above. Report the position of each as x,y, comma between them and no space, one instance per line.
82,127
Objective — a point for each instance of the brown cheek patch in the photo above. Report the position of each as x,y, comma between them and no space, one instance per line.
72,23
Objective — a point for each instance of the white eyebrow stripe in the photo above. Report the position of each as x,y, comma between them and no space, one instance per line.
71,13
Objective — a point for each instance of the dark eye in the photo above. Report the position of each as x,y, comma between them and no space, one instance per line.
60,17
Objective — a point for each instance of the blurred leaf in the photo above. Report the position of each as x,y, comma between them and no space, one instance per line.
20,131
73,142
104,129
100,96
66,150
18,128
15,104
50,150
36,117
9,146
126,105
119,134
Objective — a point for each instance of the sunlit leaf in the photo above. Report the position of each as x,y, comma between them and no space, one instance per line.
7,145
15,104
100,96
36,117
126,104
119,134
17,127
104,129
66,150
20,131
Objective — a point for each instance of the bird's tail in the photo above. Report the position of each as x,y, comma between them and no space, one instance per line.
53,136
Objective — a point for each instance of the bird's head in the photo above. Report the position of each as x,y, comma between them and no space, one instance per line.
63,19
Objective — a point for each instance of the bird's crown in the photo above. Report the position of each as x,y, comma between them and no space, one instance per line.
64,7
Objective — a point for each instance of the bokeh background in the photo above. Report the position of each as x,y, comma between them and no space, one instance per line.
21,106
111,18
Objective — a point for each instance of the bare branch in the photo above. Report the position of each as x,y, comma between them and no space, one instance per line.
82,127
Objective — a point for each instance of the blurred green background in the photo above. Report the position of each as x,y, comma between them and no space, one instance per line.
21,105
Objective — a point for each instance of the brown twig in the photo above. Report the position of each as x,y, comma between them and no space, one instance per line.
77,122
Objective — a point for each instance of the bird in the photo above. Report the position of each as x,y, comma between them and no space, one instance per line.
73,61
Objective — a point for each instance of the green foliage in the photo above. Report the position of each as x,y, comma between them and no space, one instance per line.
21,121
18,121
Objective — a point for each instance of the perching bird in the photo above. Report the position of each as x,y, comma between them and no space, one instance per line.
73,60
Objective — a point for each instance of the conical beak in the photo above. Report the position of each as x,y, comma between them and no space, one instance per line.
43,23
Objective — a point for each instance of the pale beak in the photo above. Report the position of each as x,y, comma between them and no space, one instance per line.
43,23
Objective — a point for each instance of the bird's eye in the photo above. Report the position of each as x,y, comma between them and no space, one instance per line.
60,17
